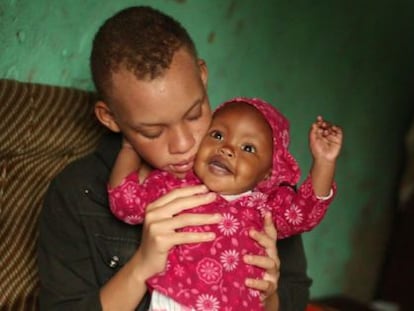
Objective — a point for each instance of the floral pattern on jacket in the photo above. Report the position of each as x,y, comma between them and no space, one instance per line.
210,275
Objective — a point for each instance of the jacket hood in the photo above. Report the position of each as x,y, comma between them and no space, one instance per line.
285,169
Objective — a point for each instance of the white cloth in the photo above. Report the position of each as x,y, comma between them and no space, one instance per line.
160,302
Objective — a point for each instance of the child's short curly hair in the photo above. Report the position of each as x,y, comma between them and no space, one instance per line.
140,39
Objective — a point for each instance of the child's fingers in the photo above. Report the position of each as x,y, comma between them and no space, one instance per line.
177,194
269,227
266,287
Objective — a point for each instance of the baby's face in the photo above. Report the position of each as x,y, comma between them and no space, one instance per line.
236,153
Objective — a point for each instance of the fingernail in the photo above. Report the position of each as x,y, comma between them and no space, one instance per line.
217,217
204,188
211,195
211,236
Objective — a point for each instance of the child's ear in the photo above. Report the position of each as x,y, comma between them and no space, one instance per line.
203,71
106,116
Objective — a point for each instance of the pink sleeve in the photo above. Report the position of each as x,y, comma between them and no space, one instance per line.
129,200
295,212
124,200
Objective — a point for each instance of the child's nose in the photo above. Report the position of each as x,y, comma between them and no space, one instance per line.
181,139
227,151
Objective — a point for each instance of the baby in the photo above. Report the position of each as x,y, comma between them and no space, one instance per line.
245,159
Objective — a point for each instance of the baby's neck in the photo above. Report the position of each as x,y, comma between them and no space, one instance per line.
232,197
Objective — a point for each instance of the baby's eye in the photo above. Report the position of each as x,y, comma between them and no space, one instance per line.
216,135
249,148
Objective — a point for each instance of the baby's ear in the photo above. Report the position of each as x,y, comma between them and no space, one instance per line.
106,116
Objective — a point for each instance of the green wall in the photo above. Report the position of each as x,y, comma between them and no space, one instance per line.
351,61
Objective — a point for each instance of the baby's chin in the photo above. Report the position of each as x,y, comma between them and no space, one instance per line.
222,189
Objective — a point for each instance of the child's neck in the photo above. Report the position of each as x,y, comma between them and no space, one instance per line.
232,197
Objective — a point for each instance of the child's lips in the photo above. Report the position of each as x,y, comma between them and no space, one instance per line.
183,166
218,165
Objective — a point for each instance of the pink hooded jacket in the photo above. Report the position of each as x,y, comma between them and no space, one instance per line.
211,275
285,168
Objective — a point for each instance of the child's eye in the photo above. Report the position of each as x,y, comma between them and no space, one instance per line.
150,134
194,115
216,135
249,148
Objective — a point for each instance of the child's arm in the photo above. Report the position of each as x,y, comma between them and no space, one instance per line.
127,161
125,186
325,142
299,211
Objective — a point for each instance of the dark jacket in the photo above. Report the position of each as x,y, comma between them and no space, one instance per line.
82,245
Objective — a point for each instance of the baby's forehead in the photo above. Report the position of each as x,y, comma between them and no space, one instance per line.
239,110
238,107
239,115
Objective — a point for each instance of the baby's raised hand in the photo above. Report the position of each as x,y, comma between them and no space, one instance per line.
325,140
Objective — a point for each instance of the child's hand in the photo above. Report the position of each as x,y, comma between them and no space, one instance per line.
325,140
126,143
135,160
127,161
163,221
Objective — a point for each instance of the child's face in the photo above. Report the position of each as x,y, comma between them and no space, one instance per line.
164,119
236,153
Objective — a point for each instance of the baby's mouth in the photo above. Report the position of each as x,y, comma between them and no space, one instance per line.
218,165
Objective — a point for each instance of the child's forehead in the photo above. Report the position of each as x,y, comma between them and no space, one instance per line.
236,107
238,110
238,115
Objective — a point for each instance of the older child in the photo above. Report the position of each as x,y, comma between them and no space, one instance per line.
244,158
152,88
